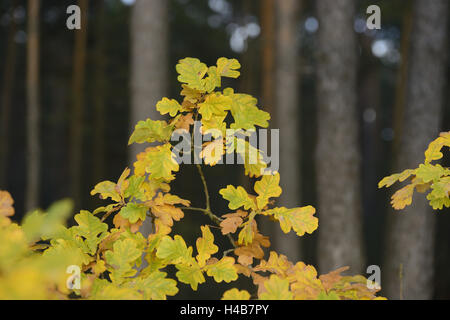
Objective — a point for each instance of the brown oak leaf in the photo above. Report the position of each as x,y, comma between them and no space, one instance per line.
6,204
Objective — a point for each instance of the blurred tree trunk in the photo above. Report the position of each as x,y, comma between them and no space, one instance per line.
78,101
267,74
149,66
99,94
338,153
287,95
33,134
268,54
149,33
7,93
247,79
410,240
369,105
402,76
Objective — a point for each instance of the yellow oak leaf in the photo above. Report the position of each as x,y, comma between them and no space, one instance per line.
106,189
122,258
403,197
278,264
251,157
301,220
390,180
156,286
228,67
123,183
190,274
276,288
191,71
167,213
433,151
168,106
440,193
305,284
236,294
213,80
215,104
205,246
237,198
215,126
223,270
6,204
245,112
168,198
212,152
174,250
151,131
266,188
191,95
429,172
134,212
160,162
249,230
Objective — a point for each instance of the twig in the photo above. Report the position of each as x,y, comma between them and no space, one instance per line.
205,187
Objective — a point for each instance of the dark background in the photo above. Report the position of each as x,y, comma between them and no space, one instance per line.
206,30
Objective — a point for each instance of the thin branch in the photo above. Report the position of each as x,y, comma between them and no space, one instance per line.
205,187
226,252
207,211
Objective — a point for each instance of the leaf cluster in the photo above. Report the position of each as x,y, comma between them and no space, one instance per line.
36,254
429,178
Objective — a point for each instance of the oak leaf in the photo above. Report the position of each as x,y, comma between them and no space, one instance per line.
222,270
190,274
266,188
191,71
168,106
276,288
301,220
232,222
236,294
6,204
205,246
237,198
228,67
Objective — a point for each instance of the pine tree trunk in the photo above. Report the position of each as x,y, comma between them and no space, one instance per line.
149,73
268,54
33,134
6,96
338,153
78,101
287,95
149,67
408,271
402,76
99,151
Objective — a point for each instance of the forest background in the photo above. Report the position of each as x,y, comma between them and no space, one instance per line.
353,105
